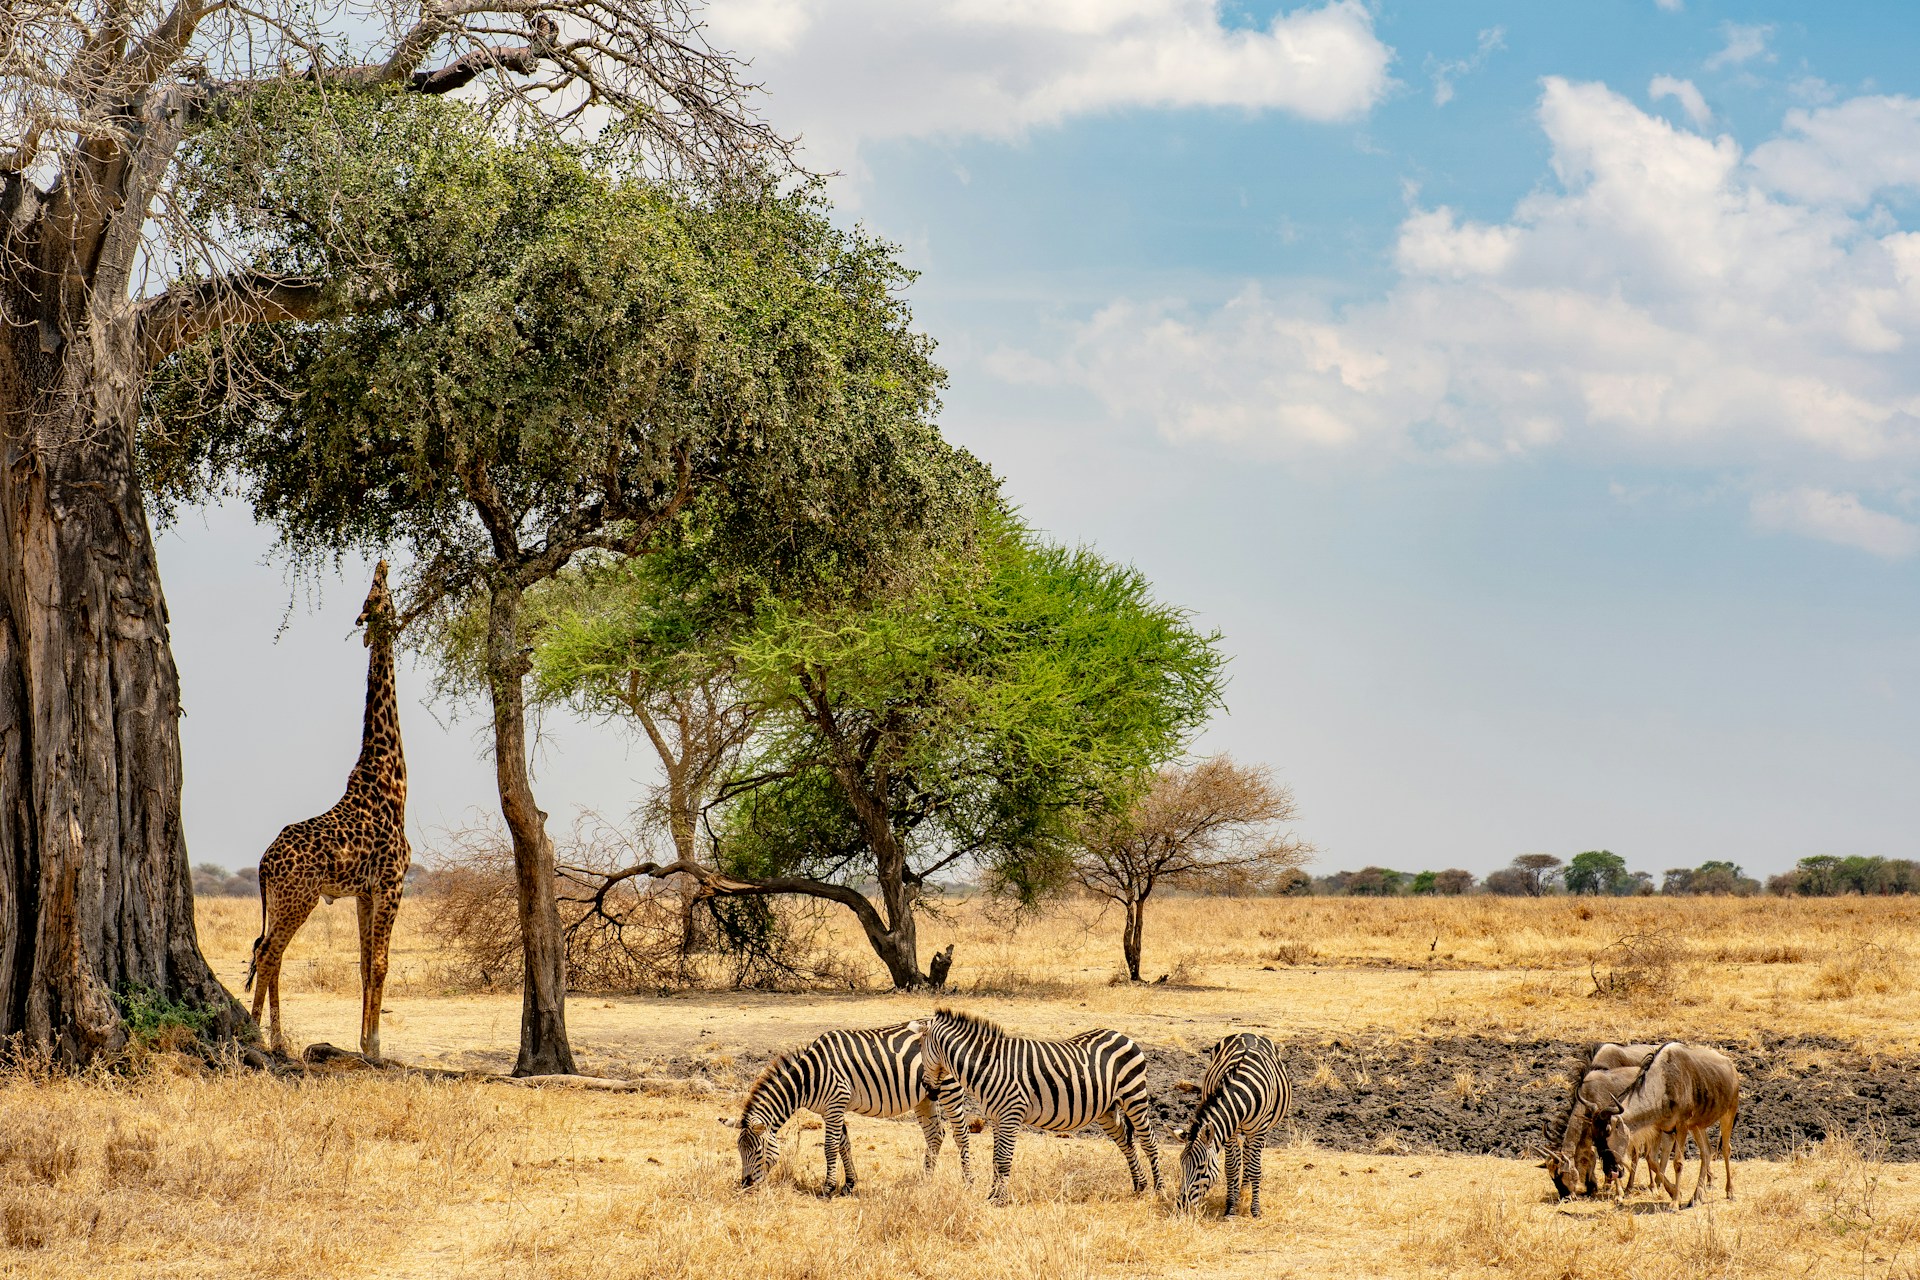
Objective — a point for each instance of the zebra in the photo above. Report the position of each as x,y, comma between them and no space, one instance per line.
1245,1093
870,1073
1096,1077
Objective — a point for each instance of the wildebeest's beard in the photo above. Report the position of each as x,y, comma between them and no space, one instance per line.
1606,1135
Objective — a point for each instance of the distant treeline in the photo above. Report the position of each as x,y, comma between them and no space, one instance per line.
1531,875
1602,873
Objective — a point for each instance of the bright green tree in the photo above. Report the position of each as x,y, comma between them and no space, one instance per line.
1597,871
969,722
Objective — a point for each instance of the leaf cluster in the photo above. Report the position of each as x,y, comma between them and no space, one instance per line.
1021,687
523,357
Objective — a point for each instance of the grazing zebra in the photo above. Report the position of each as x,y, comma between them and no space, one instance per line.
1246,1092
1096,1077
870,1073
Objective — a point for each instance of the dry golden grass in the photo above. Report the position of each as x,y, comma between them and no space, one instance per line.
179,1173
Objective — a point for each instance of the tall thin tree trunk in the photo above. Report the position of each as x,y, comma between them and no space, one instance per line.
95,892
544,1049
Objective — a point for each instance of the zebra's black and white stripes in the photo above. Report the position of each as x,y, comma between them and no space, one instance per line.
1246,1092
1096,1077
870,1073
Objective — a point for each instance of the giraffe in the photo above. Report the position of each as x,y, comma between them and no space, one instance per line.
358,847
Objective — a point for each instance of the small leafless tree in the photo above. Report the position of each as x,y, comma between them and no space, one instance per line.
1194,828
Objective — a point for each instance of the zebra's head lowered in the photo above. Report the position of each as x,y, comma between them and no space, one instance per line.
1199,1169
759,1125
759,1150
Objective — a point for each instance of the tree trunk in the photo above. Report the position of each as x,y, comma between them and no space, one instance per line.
1130,940
895,939
96,897
544,1049
898,949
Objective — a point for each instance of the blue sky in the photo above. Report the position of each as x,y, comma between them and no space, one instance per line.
1523,390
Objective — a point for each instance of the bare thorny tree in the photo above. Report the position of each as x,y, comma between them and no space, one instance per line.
105,272
1214,824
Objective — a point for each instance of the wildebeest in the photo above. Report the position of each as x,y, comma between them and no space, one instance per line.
1569,1155
1681,1091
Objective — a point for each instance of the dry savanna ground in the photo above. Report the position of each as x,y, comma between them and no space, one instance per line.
168,1169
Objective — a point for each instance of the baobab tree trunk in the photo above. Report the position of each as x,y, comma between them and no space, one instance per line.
544,1049
95,892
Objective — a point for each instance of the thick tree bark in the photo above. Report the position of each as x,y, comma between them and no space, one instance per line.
95,892
544,1049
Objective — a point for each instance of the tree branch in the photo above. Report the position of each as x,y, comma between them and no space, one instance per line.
184,314
714,884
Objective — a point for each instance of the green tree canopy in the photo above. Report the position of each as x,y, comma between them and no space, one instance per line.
968,722
523,360
1597,871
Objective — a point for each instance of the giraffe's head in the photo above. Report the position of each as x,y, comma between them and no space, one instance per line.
376,615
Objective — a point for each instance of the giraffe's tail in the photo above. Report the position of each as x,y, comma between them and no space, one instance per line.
253,960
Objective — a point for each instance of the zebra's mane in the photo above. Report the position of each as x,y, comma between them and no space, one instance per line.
775,1065
971,1020
1207,1104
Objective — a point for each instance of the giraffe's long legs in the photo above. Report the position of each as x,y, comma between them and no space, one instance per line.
363,914
287,909
376,933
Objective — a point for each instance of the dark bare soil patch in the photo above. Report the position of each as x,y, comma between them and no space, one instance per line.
1489,1096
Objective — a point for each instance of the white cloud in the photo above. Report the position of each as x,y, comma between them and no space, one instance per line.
1744,44
846,72
1836,517
1446,73
1671,6
1667,301
1844,154
1683,92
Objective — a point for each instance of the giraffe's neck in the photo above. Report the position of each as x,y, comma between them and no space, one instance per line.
382,765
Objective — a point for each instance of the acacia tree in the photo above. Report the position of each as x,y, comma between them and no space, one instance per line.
107,267
1194,827
1537,872
637,643
551,364
1597,871
966,722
